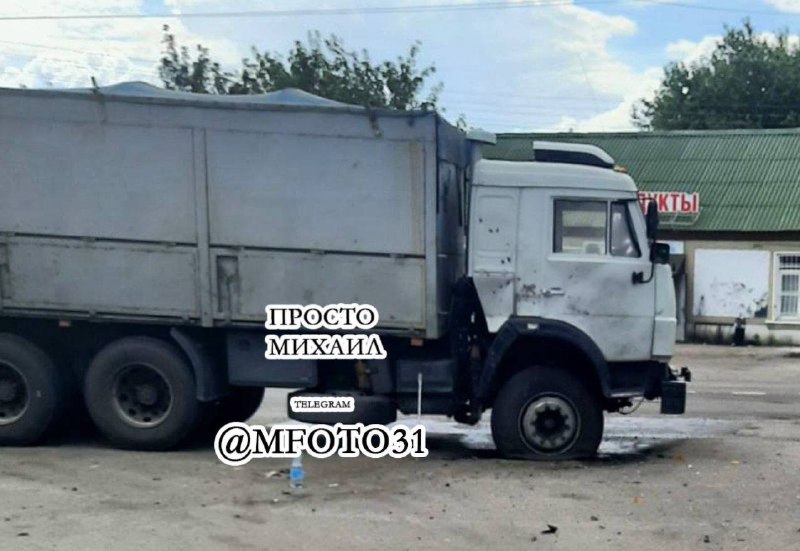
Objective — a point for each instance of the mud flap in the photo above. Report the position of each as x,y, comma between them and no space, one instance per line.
673,397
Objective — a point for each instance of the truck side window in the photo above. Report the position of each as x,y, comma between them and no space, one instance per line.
580,227
623,238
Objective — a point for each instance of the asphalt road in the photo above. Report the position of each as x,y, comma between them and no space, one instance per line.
723,476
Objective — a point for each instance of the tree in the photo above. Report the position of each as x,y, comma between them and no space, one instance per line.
748,81
321,66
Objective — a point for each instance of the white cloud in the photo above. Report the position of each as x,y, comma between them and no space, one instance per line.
790,6
523,68
618,118
64,53
605,75
528,67
586,34
644,84
689,51
518,67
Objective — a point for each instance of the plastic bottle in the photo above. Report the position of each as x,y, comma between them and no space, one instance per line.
297,473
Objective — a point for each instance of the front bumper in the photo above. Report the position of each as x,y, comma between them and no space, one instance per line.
649,380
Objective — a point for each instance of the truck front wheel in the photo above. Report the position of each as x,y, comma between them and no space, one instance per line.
30,392
141,394
546,413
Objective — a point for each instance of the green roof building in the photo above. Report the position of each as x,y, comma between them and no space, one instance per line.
737,255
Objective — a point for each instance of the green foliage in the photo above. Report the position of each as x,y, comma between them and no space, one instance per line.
747,82
322,66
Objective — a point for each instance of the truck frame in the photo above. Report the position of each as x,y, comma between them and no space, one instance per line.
142,233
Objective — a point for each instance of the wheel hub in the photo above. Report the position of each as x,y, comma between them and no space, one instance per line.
549,424
147,395
8,391
13,395
142,396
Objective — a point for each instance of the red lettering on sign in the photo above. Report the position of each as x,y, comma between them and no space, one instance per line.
671,201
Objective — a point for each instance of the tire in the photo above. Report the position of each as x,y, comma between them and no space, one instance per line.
141,394
238,406
30,392
546,413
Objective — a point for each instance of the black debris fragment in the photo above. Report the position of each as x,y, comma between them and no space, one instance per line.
551,529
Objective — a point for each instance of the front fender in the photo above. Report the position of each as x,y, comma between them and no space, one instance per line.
547,330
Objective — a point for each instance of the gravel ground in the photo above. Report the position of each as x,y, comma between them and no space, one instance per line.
724,476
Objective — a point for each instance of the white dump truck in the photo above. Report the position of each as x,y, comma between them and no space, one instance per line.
143,232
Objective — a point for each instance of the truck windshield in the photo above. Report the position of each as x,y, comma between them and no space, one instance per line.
623,236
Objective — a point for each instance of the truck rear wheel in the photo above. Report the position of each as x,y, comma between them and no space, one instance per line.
546,413
30,393
140,392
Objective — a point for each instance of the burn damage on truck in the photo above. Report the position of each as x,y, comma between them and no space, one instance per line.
158,225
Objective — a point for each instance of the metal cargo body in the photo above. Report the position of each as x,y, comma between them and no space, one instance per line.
136,204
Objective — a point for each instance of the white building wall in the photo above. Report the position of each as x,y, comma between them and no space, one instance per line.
729,279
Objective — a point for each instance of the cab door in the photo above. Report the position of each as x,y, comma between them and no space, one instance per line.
591,245
493,247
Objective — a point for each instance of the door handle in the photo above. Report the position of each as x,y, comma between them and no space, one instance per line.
553,291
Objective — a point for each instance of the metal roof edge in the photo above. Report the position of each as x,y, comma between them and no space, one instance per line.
654,133
217,103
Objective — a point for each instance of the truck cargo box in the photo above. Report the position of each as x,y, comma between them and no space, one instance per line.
132,203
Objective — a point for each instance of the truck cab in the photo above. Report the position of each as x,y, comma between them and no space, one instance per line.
566,311
571,283
563,241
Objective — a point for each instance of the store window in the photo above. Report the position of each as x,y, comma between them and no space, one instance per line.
787,287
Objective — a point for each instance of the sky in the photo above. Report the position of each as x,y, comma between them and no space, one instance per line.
506,65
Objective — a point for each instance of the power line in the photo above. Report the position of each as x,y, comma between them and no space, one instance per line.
132,70
537,104
112,55
494,102
466,96
724,9
418,8
377,10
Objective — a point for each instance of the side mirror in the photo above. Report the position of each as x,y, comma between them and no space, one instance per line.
659,253
652,220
